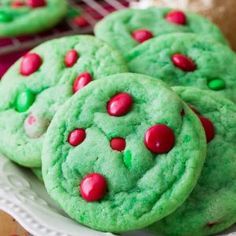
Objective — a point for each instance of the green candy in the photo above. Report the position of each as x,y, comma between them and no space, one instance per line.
24,100
4,17
216,84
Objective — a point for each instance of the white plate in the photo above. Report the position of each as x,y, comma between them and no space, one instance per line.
25,198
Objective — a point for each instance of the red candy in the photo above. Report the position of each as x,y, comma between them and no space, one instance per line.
208,127
177,17
76,137
183,62
71,58
142,35
120,104
118,144
31,120
81,81
36,3
93,187
30,63
17,3
159,139
80,21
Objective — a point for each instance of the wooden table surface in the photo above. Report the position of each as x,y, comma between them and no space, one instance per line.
9,227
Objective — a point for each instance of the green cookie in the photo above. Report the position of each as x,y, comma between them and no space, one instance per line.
118,155
211,207
126,29
187,60
23,17
34,88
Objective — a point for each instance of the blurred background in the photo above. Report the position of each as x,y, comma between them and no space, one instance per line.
81,17
83,14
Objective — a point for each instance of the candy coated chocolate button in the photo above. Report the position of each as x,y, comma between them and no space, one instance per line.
159,139
30,63
24,100
183,62
176,17
36,3
4,17
93,187
142,35
17,3
71,58
81,81
216,84
35,127
31,120
118,144
76,137
208,127
80,21
120,104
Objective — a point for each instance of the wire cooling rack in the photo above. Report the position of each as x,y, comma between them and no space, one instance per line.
90,11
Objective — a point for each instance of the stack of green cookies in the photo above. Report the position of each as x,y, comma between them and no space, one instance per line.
120,149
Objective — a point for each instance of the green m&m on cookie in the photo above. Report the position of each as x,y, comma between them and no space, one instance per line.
24,100
5,17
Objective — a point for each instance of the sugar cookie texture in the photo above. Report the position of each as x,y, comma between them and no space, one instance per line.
187,60
126,29
35,87
24,17
120,155
211,206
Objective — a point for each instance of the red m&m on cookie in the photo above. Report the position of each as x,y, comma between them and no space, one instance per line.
159,139
93,187
142,35
208,127
17,3
35,126
36,3
81,81
176,17
120,104
76,137
71,58
30,63
183,62
118,144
